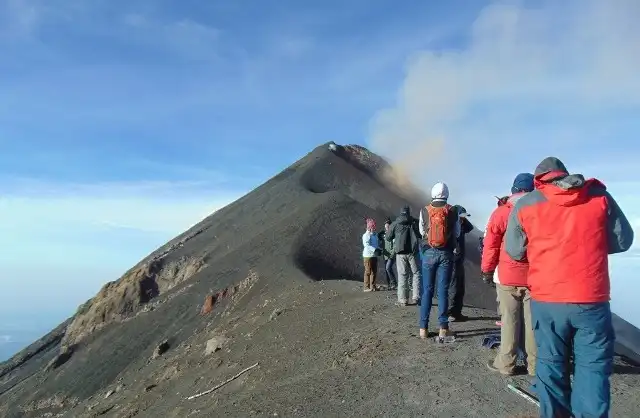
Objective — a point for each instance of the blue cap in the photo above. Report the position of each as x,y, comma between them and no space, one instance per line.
522,183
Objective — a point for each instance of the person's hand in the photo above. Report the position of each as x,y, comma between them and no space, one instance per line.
487,277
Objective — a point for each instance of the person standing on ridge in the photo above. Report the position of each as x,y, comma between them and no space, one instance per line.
513,292
566,228
438,228
370,255
389,256
457,285
404,230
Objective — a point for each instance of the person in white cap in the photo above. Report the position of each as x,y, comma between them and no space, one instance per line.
438,225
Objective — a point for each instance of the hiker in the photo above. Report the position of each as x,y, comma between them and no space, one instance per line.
404,230
457,285
389,256
437,226
566,228
512,290
496,281
370,255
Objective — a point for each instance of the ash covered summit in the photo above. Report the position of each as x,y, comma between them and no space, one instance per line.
272,279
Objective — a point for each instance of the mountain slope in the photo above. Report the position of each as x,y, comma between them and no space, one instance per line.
261,274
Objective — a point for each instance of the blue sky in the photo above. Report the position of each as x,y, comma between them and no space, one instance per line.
122,123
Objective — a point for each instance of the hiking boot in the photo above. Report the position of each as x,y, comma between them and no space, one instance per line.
493,368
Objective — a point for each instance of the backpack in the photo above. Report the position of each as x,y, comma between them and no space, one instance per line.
437,226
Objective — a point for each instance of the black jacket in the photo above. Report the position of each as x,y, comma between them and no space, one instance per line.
466,227
406,233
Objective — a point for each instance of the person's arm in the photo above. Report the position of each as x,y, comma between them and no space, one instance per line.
421,228
515,239
620,231
416,228
494,234
392,233
466,226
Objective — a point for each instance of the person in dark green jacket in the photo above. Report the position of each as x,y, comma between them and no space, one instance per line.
389,255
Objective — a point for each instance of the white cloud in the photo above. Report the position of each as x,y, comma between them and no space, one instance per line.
165,207
61,242
529,83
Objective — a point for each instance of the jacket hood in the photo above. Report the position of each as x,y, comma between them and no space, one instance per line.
513,199
404,219
568,190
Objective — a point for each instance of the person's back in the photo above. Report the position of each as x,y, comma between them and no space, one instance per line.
438,229
513,292
406,240
565,229
571,226
405,237
457,286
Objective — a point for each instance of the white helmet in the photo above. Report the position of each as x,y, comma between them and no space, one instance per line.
440,191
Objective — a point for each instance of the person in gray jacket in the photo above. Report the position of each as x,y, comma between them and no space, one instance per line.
389,256
404,230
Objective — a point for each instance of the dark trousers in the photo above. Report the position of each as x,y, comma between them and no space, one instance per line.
392,280
456,289
436,270
586,331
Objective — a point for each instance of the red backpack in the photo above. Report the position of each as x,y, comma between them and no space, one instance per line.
437,225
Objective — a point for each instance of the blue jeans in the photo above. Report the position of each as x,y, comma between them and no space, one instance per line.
584,331
391,275
436,268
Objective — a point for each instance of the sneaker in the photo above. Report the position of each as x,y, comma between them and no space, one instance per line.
458,318
445,336
415,301
367,289
401,303
423,333
445,333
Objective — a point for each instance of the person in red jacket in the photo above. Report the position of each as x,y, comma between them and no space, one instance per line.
513,293
565,229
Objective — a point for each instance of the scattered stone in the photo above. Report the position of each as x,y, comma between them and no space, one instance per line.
207,306
111,392
162,348
150,387
215,344
276,313
61,358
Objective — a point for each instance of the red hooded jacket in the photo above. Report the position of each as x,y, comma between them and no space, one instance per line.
565,229
511,273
